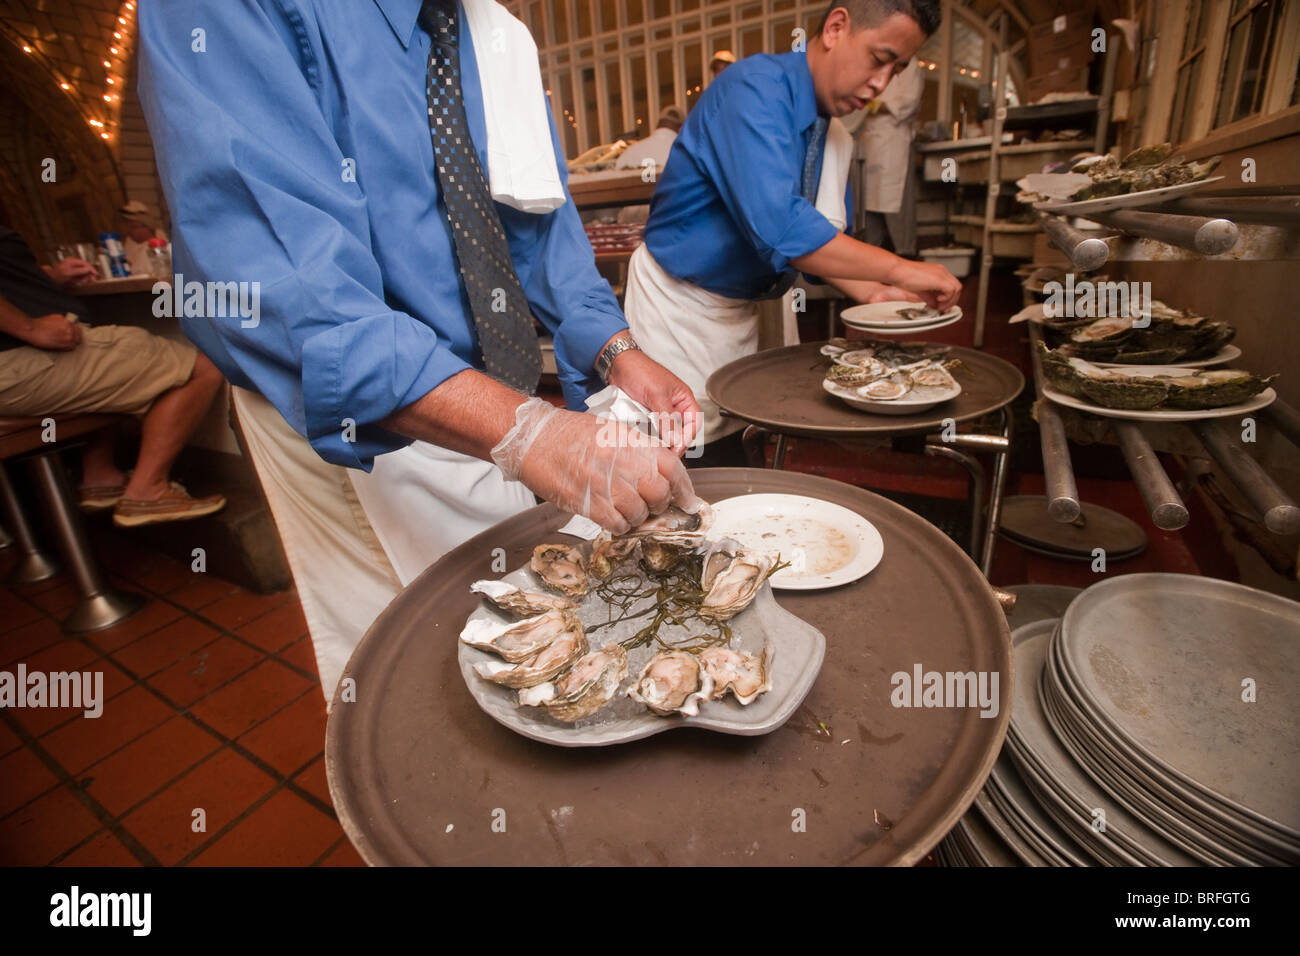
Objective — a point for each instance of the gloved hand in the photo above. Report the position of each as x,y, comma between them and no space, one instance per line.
613,474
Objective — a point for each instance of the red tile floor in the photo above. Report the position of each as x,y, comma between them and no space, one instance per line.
212,704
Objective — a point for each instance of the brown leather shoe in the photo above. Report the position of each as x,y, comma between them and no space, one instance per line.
99,497
175,504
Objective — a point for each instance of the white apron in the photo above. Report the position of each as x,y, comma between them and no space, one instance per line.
423,501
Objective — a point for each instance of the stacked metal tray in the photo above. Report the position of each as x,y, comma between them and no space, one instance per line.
1155,723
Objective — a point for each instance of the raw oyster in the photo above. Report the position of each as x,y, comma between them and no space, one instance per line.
864,360
658,556
932,376
520,640
675,527
1214,389
672,682
912,313
851,376
561,567
731,578
886,389
745,675
542,666
518,601
583,689
608,553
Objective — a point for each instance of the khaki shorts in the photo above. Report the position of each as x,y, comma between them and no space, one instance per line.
116,368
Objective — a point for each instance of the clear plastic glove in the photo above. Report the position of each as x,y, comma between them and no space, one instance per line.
613,474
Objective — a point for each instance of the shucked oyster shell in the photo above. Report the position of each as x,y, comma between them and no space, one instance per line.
745,675
561,567
520,640
542,666
676,527
731,579
518,601
608,552
672,682
582,690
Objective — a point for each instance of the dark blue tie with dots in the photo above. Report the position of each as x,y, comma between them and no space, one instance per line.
501,317
816,146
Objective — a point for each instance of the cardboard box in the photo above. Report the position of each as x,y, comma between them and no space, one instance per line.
1062,43
1045,32
1058,81
1073,59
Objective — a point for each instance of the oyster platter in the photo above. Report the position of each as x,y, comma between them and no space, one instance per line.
1154,392
630,636
1146,176
888,378
1172,336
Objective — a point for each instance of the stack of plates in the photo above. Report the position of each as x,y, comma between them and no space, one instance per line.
1154,724
891,318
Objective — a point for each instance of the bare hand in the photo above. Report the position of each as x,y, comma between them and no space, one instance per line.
660,391
71,271
53,332
935,284
891,293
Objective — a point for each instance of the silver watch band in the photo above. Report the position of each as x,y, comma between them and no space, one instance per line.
606,357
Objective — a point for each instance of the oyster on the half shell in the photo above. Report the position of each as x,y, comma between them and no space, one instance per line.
675,526
745,675
519,640
518,601
542,666
608,552
561,567
672,682
583,689
731,578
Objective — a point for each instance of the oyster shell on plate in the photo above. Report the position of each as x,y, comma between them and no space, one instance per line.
932,376
731,577
517,601
551,660
672,682
887,389
583,689
608,553
852,376
562,568
519,640
745,675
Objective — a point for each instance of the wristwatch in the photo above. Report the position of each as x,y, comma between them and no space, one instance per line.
606,357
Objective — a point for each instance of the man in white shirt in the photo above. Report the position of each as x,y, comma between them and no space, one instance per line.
658,144
139,225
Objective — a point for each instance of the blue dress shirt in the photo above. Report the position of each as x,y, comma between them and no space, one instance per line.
362,306
728,214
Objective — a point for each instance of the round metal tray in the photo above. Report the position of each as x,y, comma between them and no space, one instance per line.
781,390
419,774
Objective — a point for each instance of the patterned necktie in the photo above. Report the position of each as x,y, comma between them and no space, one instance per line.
501,317
815,147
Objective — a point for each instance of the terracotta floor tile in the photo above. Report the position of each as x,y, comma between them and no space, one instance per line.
302,654
201,591
116,680
45,828
21,642
290,738
223,786
203,671
103,849
313,780
24,777
123,779
68,654
57,600
157,573
243,606
15,613
276,629
244,703
9,739
166,646
344,854
148,619
284,831
81,742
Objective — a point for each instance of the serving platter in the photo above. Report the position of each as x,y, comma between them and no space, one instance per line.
1262,400
1133,200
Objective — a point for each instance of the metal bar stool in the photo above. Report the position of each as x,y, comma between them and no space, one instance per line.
100,606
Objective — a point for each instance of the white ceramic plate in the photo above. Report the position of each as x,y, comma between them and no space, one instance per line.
887,314
907,405
1262,400
828,544
1222,357
897,329
1146,197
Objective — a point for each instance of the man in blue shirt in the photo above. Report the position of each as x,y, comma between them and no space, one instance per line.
733,219
293,140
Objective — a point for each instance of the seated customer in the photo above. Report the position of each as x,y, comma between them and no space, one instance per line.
51,366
